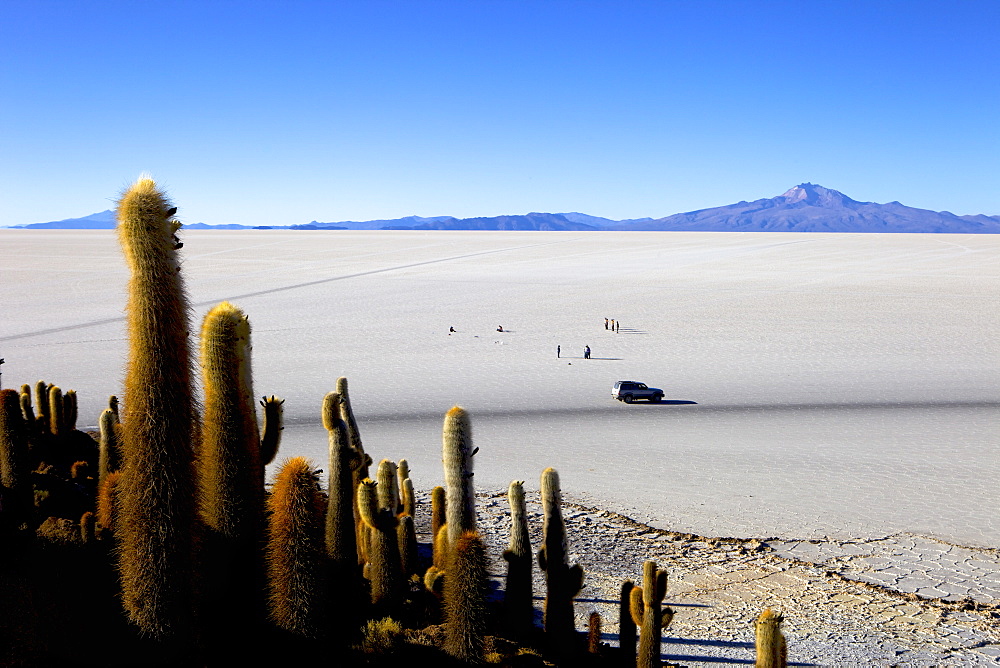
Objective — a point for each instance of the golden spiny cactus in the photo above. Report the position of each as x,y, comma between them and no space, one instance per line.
158,490
296,551
771,649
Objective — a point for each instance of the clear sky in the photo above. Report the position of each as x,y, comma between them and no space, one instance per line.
263,112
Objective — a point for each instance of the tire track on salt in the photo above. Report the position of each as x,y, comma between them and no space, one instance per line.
286,288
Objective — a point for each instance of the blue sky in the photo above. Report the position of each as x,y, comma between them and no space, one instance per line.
282,113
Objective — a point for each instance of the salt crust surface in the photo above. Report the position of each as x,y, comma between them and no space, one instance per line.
834,392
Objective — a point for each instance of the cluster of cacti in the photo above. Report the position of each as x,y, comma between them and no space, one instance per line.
176,495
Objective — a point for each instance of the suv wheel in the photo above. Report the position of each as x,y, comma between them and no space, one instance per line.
655,399
627,398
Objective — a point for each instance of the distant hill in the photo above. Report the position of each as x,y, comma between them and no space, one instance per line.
805,208
812,208
105,220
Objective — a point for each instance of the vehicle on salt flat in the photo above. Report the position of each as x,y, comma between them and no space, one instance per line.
630,390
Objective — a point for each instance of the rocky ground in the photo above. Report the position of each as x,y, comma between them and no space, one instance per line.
902,600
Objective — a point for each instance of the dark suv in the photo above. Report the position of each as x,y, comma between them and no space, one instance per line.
629,390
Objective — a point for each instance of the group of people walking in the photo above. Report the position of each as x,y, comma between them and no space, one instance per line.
586,352
611,324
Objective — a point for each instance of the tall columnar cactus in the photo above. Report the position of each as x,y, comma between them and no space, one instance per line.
270,436
626,625
70,410
296,551
406,536
27,410
341,536
384,566
771,649
107,501
594,633
361,472
42,401
109,445
388,492
517,598
408,498
15,468
347,413
230,469
647,614
56,412
438,514
159,491
457,453
563,582
466,588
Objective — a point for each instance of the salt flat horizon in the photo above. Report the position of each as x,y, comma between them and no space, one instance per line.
838,385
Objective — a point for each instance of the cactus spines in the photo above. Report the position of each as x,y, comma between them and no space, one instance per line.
15,468
347,413
457,453
108,446
159,491
408,498
56,412
107,504
562,581
627,623
438,504
297,586
27,410
69,410
647,612
466,587
771,649
441,545
230,469
518,608
434,581
388,492
270,437
87,527
385,569
406,535
42,401
341,535
594,633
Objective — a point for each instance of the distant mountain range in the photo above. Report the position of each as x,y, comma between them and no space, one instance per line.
805,208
